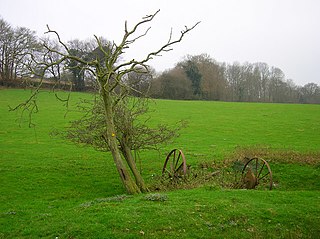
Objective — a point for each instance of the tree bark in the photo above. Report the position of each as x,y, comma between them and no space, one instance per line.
132,164
126,179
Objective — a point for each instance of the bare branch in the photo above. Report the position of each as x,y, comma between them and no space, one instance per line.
170,43
142,35
147,18
58,36
170,36
124,43
165,48
101,48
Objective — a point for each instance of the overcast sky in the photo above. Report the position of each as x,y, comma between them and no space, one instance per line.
282,33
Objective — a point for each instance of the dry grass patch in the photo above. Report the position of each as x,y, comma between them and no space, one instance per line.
277,155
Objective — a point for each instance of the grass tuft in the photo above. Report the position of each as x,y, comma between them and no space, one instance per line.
117,198
156,197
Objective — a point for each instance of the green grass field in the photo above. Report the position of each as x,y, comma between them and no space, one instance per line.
51,188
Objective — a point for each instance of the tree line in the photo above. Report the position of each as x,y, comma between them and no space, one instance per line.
201,77
23,56
197,77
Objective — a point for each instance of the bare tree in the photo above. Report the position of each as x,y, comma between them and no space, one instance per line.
16,45
276,84
234,77
111,77
310,93
54,71
6,33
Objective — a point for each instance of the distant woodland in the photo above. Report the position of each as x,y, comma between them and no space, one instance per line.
202,77
198,77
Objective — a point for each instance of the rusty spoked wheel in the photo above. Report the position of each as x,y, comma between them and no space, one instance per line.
175,165
256,173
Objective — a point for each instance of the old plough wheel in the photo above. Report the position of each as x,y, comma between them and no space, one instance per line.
175,165
256,173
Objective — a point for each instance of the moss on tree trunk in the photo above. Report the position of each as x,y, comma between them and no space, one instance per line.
125,176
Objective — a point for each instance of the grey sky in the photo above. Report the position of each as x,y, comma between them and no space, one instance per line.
282,33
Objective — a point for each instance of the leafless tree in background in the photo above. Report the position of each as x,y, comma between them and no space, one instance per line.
16,47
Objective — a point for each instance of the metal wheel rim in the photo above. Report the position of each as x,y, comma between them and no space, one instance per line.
259,170
176,162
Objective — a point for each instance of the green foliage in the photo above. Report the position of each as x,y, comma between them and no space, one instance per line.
51,188
194,76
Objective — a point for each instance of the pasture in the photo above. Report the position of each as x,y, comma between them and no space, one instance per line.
51,188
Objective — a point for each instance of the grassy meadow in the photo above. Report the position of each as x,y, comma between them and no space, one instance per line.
51,188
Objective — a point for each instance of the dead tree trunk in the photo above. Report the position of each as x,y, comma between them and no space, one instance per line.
126,150
126,178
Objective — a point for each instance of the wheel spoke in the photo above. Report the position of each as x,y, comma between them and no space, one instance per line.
264,175
261,170
177,169
173,161
177,160
169,173
177,163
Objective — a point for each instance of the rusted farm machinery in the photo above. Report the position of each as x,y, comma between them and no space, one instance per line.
256,172
175,165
